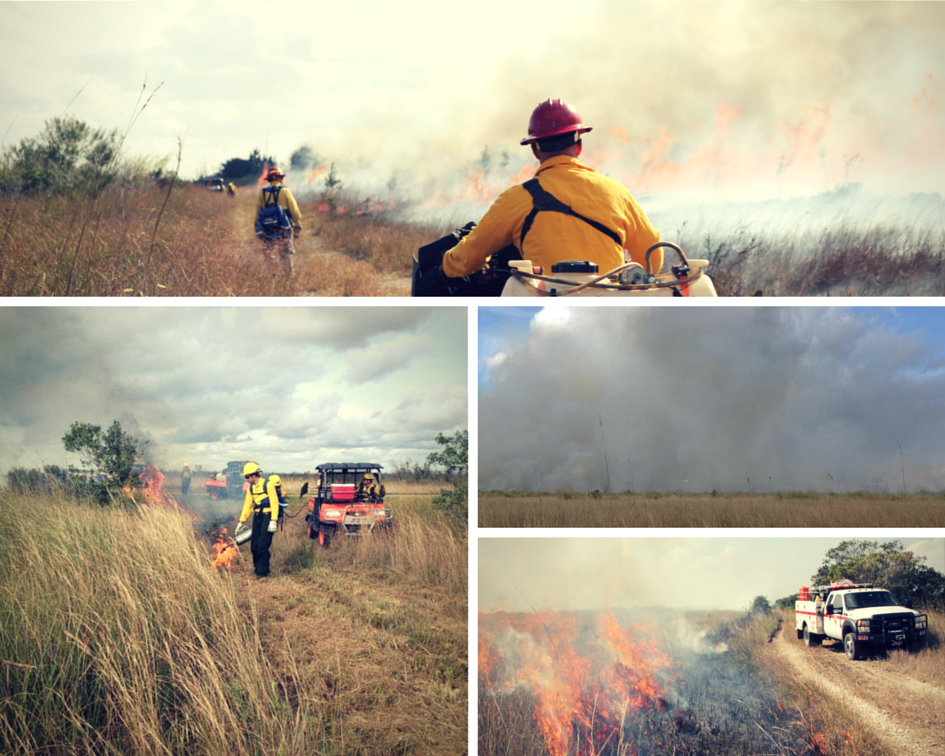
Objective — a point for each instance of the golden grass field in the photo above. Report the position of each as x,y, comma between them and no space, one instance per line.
118,636
141,238
781,510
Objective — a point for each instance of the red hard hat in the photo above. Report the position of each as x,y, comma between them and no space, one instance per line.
553,117
274,173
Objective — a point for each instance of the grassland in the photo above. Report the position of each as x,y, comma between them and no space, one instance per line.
748,699
141,238
797,509
118,636
127,242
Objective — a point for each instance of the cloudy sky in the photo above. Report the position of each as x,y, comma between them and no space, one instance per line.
702,398
729,97
289,387
538,574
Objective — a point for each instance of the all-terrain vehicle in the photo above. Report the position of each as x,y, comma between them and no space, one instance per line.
228,484
507,275
348,500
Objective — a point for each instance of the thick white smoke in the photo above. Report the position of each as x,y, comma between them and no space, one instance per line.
696,399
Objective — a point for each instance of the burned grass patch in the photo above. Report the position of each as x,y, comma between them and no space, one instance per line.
569,684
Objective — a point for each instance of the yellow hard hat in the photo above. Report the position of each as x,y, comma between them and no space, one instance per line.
368,476
276,480
251,468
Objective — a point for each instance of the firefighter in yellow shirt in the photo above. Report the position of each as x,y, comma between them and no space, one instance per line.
277,194
595,218
262,500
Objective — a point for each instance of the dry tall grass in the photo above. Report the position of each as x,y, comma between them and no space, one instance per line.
840,261
126,243
117,636
831,723
653,510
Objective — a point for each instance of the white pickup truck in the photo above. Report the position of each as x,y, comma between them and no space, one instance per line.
859,615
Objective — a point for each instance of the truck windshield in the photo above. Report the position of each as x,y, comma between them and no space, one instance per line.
871,598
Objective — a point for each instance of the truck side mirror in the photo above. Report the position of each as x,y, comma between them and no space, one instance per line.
828,609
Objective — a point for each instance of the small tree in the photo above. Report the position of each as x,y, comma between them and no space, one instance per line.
303,158
111,454
785,603
236,169
455,454
760,605
332,183
455,458
68,155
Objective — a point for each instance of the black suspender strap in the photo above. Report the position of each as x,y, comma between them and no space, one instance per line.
273,193
543,201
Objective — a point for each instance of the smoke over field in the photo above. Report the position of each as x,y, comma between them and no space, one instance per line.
696,399
690,102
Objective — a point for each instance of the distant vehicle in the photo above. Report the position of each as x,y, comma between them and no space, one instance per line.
344,504
215,185
228,484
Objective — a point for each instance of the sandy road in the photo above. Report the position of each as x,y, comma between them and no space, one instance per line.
907,714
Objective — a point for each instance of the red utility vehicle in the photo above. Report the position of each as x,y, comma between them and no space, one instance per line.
228,484
348,500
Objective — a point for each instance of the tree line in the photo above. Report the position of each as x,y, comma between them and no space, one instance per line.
112,458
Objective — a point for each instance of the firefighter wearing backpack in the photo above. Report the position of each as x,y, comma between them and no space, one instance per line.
278,217
263,498
595,218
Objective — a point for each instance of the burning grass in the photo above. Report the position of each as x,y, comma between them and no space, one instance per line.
570,684
842,261
119,636
797,509
128,243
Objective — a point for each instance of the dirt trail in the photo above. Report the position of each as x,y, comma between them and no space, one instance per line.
314,249
907,714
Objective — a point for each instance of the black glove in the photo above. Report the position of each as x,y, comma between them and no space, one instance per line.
459,233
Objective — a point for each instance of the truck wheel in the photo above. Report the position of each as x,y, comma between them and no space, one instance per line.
214,495
324,537
810,639
851,647
312,533
800,634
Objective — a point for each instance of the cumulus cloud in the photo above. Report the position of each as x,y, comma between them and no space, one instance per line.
214,384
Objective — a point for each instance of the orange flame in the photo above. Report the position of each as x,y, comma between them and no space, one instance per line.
225,553
585,679
152,489
262,181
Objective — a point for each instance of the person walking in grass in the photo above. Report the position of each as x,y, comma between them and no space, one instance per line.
262,501
185,479
567,211
278,218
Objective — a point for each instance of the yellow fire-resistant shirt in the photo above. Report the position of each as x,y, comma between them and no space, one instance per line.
256,493
286,200
555,236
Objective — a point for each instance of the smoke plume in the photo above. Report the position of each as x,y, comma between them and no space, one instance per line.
696,399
